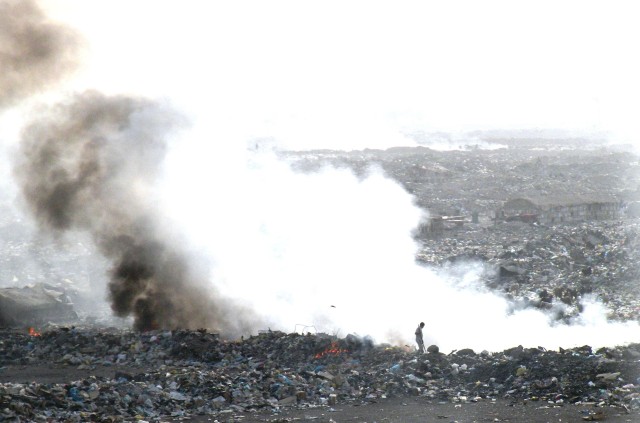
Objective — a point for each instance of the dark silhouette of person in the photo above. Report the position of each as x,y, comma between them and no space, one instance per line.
419,339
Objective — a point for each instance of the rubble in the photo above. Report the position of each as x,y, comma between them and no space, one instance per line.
541,265
32,305
463,181
188,373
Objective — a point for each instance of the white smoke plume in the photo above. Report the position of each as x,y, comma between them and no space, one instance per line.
332,252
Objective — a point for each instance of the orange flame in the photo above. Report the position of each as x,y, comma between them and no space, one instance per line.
332,350
34,332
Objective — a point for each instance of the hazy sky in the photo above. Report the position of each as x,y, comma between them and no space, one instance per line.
360,73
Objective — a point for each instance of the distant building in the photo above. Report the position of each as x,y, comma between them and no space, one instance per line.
550,210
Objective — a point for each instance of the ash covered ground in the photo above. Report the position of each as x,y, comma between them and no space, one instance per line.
94,368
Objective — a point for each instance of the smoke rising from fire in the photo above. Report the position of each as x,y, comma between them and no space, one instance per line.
331,252
34,53
89,164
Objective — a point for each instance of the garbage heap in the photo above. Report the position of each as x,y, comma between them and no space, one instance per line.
186,373
543,265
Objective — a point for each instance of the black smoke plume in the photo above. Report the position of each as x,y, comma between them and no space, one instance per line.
34,52
90,164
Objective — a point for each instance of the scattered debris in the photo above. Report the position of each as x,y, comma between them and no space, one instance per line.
185,373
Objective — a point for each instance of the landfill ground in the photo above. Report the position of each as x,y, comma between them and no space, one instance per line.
393,410
86,370
108,375
410,409
419,410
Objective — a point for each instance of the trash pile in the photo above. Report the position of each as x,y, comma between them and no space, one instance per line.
545,265
537,265
186,373
482,180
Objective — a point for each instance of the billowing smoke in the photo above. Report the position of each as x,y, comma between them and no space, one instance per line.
332,251
34,53
90,165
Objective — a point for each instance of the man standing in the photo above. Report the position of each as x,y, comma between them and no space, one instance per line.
419,339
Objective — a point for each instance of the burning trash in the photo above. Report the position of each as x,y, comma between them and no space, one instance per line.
333,350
